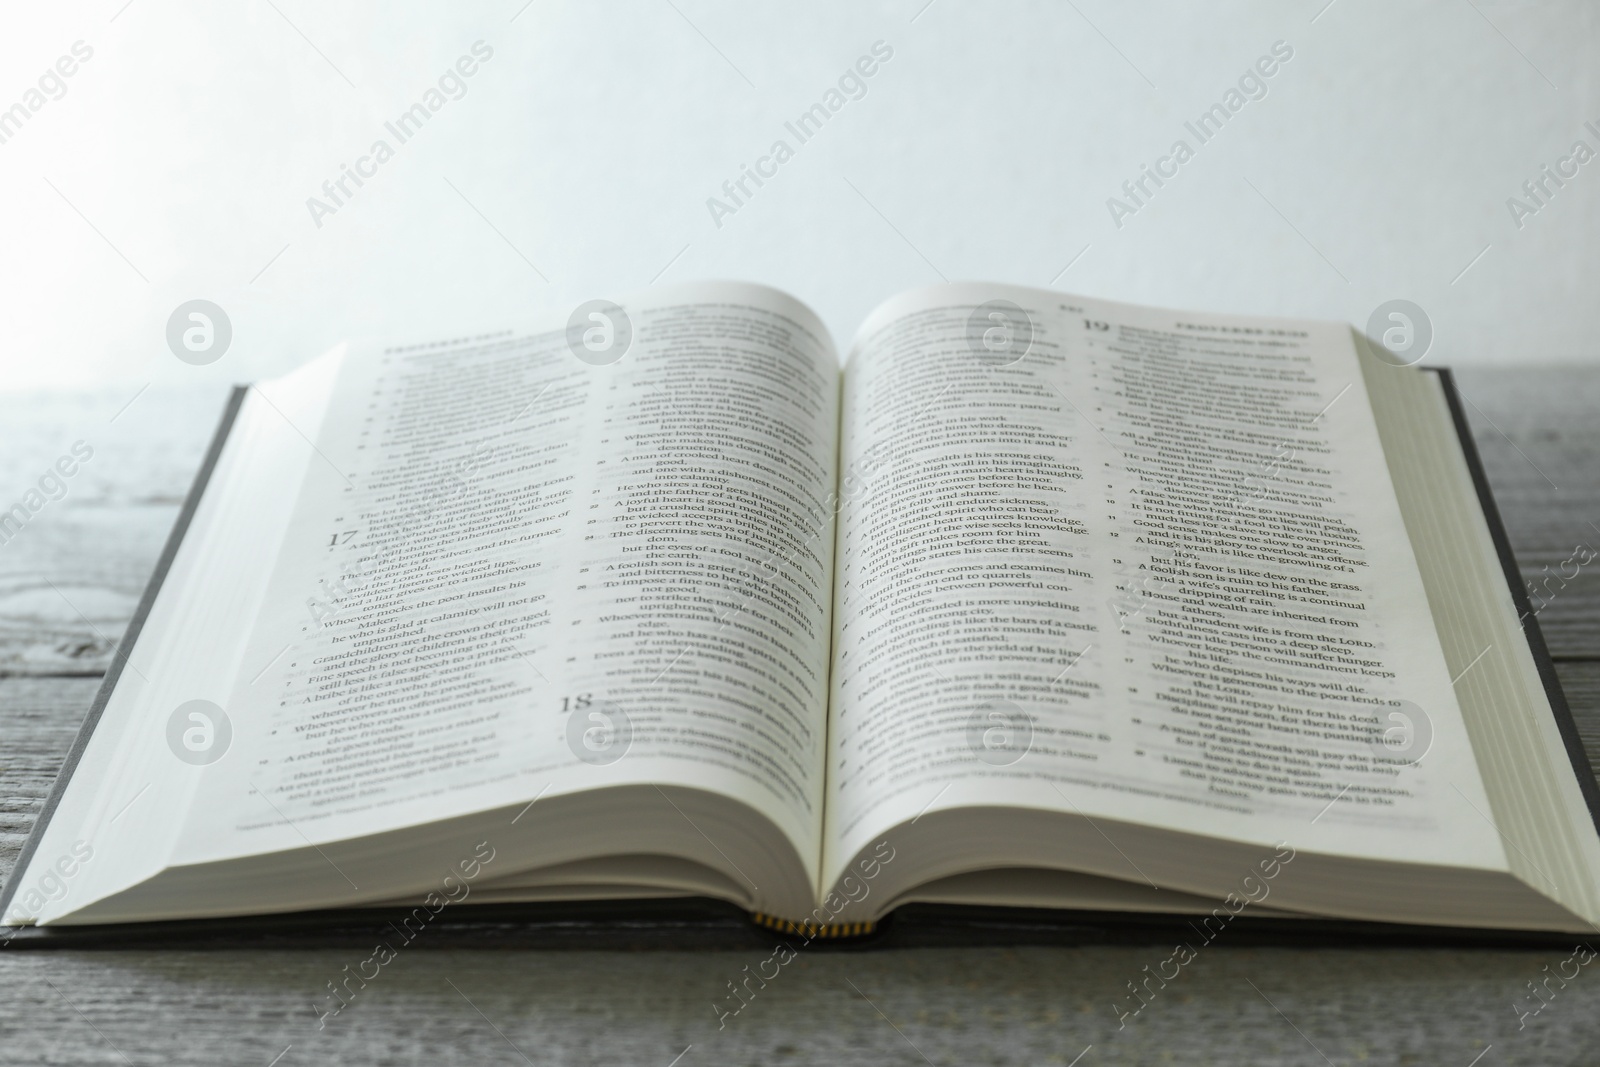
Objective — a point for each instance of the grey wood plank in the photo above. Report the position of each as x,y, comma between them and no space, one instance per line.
1041,1006
1580,681
39,717
73,571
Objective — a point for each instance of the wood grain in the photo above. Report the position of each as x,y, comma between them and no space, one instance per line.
72,575
69,579
38,719
940,1006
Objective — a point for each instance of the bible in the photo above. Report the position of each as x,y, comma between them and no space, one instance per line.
1031,601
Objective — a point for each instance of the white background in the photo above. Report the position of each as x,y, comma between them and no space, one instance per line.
1377,167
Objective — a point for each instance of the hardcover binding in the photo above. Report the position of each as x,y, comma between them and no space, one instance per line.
710,924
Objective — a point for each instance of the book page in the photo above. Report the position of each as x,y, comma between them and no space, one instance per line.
534,563
1134,564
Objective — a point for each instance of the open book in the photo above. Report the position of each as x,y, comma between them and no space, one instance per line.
1041,601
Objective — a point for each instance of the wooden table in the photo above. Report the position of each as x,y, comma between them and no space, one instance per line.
69,580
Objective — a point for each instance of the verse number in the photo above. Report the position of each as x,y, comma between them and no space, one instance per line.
337,539
582,700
